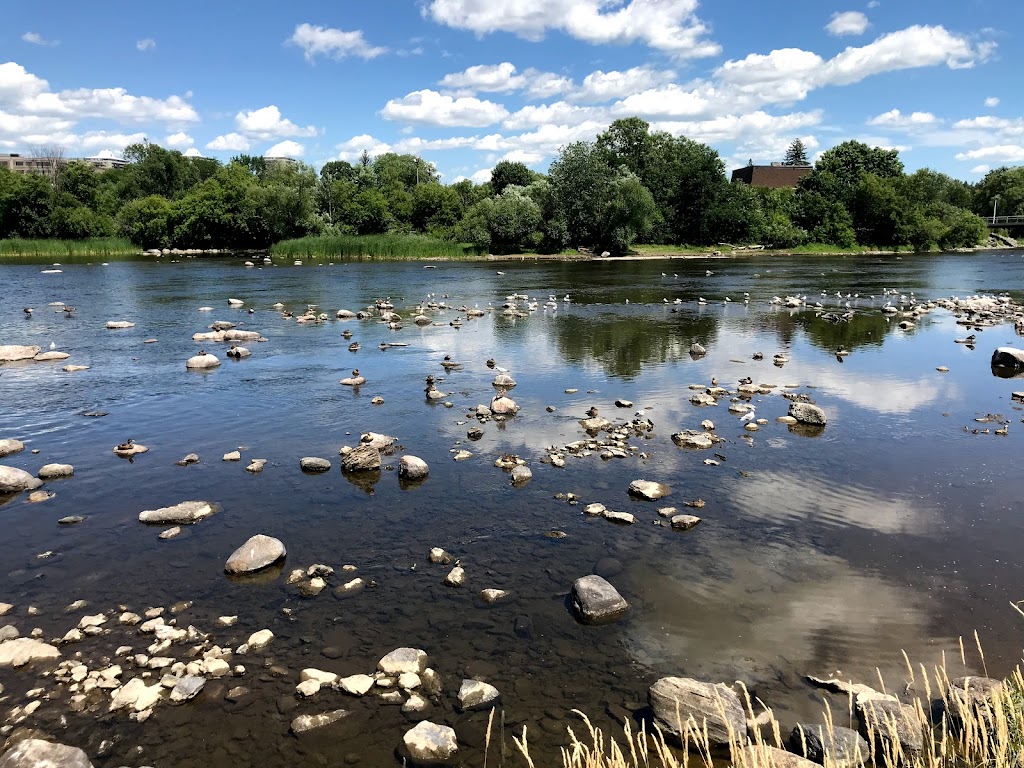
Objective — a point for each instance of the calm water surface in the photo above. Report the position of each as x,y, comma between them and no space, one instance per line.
893,530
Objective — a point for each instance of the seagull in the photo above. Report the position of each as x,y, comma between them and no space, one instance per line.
53,345
748,416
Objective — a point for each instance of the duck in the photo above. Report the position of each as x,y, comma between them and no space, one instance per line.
746,380
127,445
490,362
592,412
27,311
353,347
841,352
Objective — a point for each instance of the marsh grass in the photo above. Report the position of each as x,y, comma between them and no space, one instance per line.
384,247
99,246
960,731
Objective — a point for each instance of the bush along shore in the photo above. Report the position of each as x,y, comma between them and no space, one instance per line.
630,185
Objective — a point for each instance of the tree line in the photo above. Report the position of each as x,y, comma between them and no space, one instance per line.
631,185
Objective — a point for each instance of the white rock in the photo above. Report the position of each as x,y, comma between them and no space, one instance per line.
357,685
186,688
185,513
324,678
409,680
260,639
24,650
202,362
403,660
10,445
10,353
115,324
492,595
13,480
307,688
257,553
227,621
36,753
456,577
412,468
430,743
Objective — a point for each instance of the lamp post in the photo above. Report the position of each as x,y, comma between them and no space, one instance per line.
995,207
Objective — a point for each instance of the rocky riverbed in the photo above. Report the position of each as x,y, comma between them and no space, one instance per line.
377,564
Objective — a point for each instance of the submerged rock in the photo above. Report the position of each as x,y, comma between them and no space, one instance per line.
596,601
116,324
304,723
257,553
474,694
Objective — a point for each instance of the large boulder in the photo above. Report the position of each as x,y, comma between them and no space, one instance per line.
257,553
843,747
202,361
10,353
362,458
403,660
806,413
679,700
13,480
1008,357
185,513
412,468
897,728
10,445
596,601
36,753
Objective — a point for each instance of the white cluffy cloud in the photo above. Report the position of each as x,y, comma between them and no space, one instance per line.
671,26
433,108
145,44
847,23
896,119
286,149
353,148
1002,153
230,142
333,43
267,123
36,39
180,140
992,101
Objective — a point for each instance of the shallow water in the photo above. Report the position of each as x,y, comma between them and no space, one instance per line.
893,530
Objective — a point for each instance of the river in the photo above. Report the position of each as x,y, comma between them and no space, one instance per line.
893,530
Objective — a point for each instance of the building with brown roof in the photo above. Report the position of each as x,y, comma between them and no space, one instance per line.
776,175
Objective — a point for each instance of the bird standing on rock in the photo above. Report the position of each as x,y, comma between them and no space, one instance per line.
592,412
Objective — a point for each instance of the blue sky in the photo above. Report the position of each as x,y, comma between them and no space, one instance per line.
465,83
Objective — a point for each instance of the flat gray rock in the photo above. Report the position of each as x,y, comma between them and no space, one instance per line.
257,553
13,480
186,688
10,353
36,753
675,700
596,601
895,726
185,513
314,464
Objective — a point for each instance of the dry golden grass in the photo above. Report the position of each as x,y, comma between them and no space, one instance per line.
960,731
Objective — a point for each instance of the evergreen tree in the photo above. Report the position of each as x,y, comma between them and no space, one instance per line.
796,154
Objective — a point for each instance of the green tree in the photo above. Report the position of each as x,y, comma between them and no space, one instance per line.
507,173
436,209
796,154
1008,185
146,221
